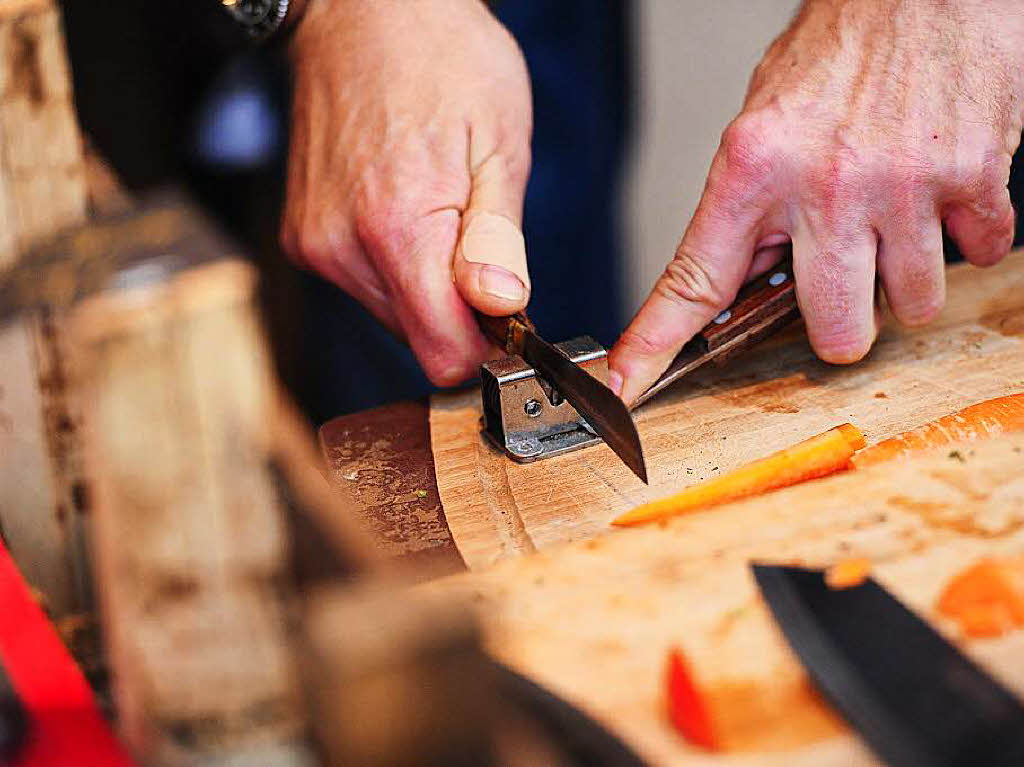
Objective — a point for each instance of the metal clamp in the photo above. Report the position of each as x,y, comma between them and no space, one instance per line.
525,417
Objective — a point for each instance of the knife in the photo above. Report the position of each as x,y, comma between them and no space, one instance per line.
599,406
915,699
581,739
762,307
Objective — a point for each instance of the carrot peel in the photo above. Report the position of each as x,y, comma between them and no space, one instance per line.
687,708
815,457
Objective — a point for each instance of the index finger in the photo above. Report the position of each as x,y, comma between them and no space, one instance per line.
707,271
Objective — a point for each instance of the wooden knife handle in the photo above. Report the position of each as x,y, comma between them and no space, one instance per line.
766,301
506,332
761,308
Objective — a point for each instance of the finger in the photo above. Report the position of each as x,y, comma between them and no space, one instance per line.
708,268
835,287
441,328
489,266
336,254
911,267
983,230
765,259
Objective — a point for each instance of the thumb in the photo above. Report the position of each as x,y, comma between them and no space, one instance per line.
489,266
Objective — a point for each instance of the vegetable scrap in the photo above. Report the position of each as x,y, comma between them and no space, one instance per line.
979,421
818,456
687,709
986,599
848,573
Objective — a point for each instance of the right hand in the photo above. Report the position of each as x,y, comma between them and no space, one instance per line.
410,151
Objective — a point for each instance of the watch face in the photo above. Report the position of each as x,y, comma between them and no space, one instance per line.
251,12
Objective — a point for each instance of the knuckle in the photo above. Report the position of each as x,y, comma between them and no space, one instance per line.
518,161
382,229
919,308
640,342
833,176
689,279
749,146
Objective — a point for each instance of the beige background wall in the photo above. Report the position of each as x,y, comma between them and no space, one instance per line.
695,57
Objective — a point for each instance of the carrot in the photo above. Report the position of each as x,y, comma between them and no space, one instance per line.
815,457
848,573
687,709
986,599
979,421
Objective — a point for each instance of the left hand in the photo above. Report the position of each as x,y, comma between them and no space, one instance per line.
868,125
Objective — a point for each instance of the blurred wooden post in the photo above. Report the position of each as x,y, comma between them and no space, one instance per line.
42,189
189,545
396,680
42,172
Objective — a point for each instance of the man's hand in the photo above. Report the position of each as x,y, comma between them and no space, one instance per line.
409,156
868,125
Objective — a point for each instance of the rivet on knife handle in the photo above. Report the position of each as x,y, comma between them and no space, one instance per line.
762,307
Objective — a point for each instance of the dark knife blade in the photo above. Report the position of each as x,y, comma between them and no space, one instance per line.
603,410
915,699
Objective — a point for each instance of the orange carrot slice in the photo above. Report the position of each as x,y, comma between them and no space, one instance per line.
687,709
815,457
979,421
986,599
848,573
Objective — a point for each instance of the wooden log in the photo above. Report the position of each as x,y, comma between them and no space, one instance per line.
42,189
189,543
42,172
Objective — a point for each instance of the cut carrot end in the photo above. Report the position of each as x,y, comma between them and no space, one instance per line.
853,435
848,573
687,709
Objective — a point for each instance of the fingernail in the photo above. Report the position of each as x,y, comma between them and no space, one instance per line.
615,382
501,283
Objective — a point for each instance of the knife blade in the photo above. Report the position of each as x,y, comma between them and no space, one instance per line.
602,409
916,700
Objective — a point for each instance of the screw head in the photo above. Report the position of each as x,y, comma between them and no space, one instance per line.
533,408
527,448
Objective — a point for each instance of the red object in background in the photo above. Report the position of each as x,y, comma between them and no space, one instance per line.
686,707
66,728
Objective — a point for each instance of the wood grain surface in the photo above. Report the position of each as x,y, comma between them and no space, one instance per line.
382,458
595,619
722,417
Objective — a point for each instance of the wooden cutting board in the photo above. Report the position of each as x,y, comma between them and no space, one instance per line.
595,619
722,417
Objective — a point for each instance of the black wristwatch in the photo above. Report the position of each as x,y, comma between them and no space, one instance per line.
260,18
